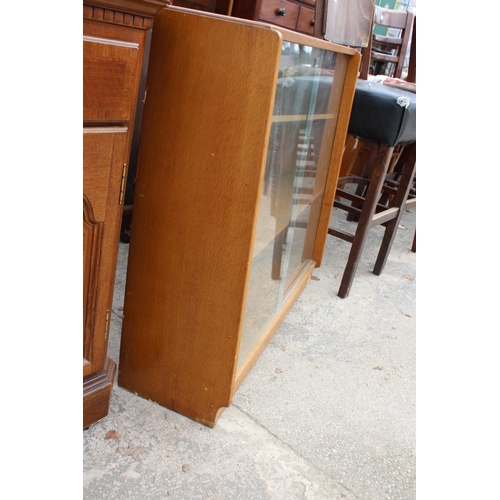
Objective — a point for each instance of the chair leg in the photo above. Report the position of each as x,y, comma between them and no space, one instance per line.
380,167
414,244
399,202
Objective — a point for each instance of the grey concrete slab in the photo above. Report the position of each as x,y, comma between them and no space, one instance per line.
328,411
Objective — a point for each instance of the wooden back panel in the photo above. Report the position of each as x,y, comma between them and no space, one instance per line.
199,177
349,22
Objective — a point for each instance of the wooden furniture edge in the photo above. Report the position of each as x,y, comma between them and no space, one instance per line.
336,157
292,36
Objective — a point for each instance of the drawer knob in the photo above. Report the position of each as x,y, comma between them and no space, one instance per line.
312,22
281,12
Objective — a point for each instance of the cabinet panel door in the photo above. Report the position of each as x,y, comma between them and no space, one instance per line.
301,138
104,153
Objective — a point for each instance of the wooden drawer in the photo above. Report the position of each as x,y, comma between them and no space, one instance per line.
305,23
309,2
280,12
109,79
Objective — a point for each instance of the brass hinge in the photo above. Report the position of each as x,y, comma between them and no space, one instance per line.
122,187
107,326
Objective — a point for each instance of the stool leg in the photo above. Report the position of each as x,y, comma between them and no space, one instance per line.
380,167
365,173
400,202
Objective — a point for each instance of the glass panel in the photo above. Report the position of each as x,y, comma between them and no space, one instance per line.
298,157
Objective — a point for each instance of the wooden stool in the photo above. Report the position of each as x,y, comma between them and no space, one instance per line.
385,117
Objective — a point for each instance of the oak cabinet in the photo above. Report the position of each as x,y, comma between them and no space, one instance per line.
114,32
243,131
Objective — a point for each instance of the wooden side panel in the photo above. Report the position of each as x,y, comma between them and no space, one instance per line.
206,123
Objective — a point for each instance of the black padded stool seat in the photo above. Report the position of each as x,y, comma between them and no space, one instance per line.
383,114
386,117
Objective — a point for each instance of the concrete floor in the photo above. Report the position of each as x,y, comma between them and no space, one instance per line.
328,412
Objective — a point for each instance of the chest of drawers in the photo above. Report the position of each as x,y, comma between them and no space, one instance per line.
296,15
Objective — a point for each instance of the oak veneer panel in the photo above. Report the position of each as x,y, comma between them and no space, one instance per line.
200,169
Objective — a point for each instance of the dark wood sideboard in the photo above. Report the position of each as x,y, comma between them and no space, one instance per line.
114,38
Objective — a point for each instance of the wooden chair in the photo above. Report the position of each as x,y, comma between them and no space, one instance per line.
388,49
380,153
383,118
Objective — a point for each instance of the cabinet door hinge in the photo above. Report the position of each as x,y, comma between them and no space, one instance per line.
122,187
107,326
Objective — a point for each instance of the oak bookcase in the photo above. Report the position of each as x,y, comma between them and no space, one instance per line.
243,132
